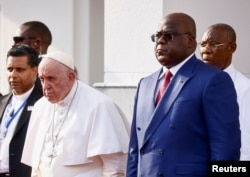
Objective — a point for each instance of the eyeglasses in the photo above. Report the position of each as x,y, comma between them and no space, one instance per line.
166,36
212,46
18,39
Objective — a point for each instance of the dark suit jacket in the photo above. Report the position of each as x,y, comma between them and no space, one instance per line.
195,122
17,169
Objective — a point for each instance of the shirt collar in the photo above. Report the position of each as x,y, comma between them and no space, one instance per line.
175,69
22,97
231,71
229,68
68,98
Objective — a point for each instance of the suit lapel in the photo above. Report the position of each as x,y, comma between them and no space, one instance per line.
3,103
25,115
174,88
23,118
150,96
146,108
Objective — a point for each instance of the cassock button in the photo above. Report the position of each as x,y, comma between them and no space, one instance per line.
138,128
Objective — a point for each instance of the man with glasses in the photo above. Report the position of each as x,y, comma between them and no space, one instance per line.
218,45
35,34
177,131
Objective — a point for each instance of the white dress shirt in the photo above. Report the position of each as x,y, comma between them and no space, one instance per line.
242,87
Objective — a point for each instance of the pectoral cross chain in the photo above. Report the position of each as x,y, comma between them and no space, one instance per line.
52,155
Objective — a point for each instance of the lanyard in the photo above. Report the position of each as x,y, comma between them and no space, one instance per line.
12,117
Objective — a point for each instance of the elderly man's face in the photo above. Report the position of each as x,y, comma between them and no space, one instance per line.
216,48
56,80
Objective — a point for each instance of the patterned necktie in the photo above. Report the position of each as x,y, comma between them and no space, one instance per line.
161,91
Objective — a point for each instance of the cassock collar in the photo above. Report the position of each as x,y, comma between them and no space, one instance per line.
68,98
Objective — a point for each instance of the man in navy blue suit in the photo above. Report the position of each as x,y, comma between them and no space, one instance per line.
196,118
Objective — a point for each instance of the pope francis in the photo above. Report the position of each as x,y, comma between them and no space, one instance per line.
74,130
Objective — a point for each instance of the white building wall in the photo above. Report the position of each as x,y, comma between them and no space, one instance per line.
128,47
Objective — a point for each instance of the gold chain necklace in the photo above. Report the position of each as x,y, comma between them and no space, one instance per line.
53,153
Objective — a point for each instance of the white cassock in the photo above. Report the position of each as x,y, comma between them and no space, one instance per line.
93,139
242,87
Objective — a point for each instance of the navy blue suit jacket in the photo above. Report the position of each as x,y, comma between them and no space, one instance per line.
195,122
